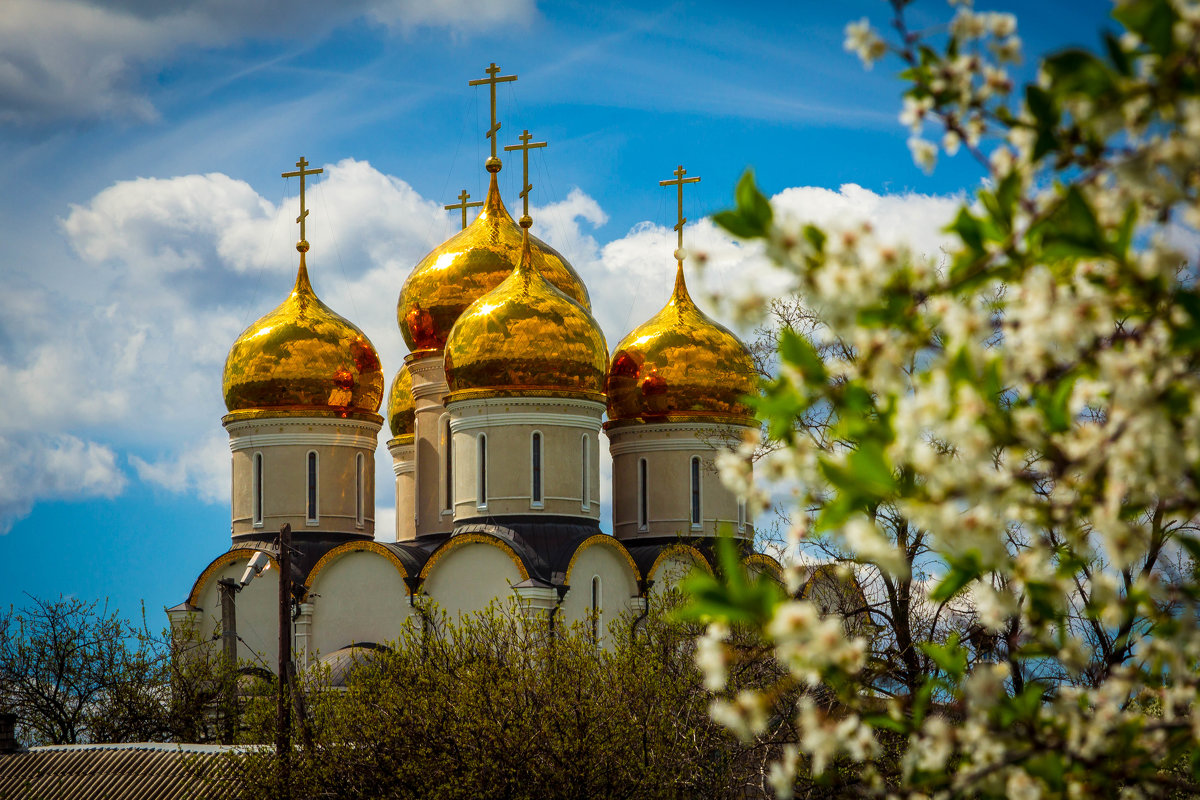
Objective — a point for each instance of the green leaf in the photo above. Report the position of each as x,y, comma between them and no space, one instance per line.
752,216
1117,55
1052,401
1187,336
870,467
738,225
1150,19
886,723
963,570
1072,230
969,229
750,201
1079,72
797,351
730,595
950,658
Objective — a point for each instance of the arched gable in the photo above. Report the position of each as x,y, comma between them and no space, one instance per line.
674,550
353,547
766,565
462,539
219,563
602,539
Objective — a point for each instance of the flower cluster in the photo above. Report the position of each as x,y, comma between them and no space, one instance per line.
1009,438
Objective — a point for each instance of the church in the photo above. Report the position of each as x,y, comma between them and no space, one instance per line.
494,426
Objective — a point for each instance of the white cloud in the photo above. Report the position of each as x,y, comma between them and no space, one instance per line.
915,220
84,59
125,356
202,470
37,468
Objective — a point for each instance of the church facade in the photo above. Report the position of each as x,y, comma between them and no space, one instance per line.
495,421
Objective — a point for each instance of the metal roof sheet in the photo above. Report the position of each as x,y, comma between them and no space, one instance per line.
120,772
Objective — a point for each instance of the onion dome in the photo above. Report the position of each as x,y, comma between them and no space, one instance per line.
681,364
526,337
470,265
402,409
303,360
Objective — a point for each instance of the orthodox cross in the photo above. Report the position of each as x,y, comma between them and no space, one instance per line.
679,181
492,80
302,245
464,205
525,146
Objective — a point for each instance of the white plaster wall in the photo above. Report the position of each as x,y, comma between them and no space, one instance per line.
360,597
671,571
257,614
470,577
618,588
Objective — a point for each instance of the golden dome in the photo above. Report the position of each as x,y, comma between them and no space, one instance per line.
681,364
303,359
525,337
402,409
468,266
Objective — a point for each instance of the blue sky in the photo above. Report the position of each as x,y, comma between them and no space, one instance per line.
145,223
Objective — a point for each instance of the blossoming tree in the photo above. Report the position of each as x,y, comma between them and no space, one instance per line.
1032,406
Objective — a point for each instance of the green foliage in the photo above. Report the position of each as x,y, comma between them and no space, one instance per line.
500,706
1019,416
733,594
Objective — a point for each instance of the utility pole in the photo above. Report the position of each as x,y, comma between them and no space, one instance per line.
227,587
283,724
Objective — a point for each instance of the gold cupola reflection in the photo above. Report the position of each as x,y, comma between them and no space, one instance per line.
468,266
681,364
402,409
303,359
526,337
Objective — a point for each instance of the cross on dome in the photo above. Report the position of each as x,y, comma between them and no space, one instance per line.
302,245
464,205
492,80
680,181
525,146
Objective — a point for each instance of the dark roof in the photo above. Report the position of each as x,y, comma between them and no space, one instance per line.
544,544
119,772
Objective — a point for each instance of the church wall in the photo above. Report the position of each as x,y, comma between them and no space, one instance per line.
509,424
285,444
468,578
668,449
618,591
359,597
257,612
671,571
403,450
429,387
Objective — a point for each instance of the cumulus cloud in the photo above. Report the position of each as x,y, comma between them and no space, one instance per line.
56,467
201,470
129,349
914,220
122,363
84,59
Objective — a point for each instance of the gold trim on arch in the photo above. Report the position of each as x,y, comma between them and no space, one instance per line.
697,556
611,542
224,560
351,547
830,571
455,542
773,567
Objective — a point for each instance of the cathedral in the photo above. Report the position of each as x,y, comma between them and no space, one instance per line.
494,423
